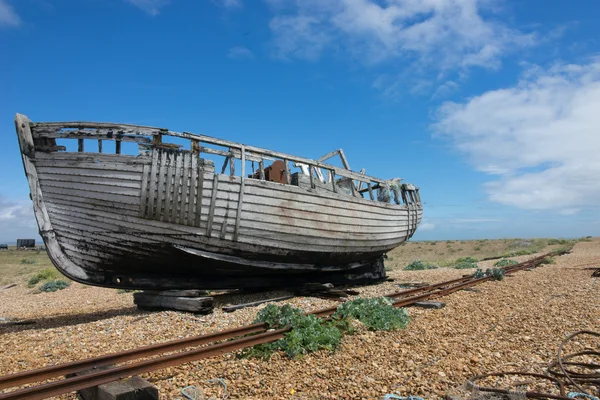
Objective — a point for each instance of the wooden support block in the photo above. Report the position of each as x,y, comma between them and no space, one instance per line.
178,293
134,388
202,305
429,304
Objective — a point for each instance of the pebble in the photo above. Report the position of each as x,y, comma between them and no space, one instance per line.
512,324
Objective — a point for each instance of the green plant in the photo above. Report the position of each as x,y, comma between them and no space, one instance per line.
309,333
418,265
505,262
43,275
53,286
27,261
522,252
549,260
467,259
585,239
477,248
478,274
496,273
375,313
432,243
465,265
557,241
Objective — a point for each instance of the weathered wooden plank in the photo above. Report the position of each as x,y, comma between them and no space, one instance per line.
229,309
124,189
85,194
40,127
178,293
196,305
94,180
93,134
92,157
66,172
76,202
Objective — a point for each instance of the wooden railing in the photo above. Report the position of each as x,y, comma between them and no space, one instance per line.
149,138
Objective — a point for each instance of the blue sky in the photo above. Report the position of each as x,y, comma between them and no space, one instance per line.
491,107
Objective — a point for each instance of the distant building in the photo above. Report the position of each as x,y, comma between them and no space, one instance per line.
3,247
27,243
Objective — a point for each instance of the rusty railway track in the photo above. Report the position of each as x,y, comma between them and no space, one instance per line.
250,335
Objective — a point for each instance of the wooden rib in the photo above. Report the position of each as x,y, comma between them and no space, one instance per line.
80,145
118,146
211,212
99,146
241,196
184,190
169,197
176,187
199,197
161,185
192,193
144,190
152,190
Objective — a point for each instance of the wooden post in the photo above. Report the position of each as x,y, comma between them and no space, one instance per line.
332,174
195,146
261,166
225,165
288,178
370,191
232,165
312,179
80,145
99,146
118,147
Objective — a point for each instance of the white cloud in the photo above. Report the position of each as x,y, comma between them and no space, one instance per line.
426,226
539,137
151,7
240,53
16,220
444,35
8,16
230,4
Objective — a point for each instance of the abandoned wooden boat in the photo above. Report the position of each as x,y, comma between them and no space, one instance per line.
161,217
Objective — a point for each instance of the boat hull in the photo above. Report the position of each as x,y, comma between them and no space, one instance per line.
165,219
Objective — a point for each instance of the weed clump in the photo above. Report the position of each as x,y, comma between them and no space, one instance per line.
465,263
549,260
418,265
497,274
309,333
44,275
375,313
53,286
505,262
27,261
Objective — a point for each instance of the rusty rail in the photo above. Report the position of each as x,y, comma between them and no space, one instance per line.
46,390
